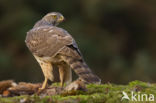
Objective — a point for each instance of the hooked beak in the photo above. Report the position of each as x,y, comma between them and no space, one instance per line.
61,19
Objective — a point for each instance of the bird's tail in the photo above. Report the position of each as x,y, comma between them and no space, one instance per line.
82,70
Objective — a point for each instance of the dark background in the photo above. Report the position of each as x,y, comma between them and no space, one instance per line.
116,38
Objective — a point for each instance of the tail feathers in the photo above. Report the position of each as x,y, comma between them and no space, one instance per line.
82,70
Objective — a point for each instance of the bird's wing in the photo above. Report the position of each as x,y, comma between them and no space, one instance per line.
72,51
47,41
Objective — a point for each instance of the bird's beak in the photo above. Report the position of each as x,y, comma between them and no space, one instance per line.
61,19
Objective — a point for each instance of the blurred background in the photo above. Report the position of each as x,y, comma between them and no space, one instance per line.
116,37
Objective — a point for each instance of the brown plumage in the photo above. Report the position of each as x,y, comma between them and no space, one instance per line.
53,45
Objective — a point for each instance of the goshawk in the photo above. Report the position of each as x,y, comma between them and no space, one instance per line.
51,45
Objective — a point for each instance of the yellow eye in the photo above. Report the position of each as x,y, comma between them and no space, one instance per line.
54,16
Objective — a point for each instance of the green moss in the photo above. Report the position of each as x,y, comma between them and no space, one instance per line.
105,93
140,83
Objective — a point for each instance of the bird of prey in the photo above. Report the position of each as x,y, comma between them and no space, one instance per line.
51,45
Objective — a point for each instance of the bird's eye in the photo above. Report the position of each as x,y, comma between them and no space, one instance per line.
54,16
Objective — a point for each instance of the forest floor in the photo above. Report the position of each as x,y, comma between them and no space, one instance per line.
137,92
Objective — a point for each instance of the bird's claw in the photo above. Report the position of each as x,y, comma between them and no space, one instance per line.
40,90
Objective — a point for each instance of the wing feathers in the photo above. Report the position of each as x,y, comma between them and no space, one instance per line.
47,41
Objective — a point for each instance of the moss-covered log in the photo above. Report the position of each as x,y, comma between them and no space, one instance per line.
105,93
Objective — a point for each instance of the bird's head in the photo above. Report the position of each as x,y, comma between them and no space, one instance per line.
53,18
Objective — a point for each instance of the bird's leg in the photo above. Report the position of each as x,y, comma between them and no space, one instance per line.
44,84
48,74
65,74
47,70
62,75
68,74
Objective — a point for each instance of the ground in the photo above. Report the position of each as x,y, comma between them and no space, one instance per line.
104,93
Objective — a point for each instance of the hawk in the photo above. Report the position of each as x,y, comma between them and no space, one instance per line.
51,45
